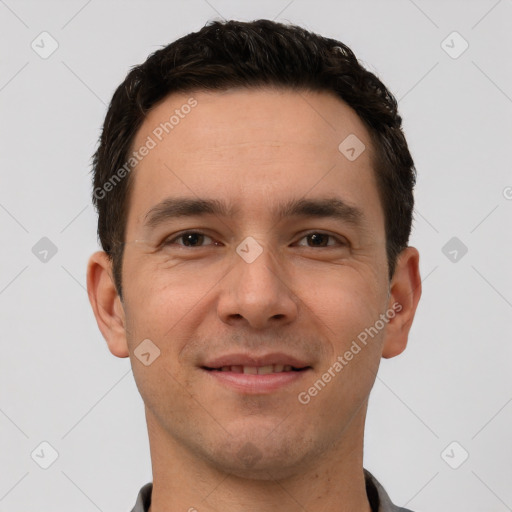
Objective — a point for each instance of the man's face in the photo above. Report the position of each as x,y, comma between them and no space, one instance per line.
300,290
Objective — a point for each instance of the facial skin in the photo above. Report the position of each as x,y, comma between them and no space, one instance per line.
255,150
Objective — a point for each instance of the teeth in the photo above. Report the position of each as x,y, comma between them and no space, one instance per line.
257,370
263,370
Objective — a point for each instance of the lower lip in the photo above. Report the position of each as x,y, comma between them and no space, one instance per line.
256,384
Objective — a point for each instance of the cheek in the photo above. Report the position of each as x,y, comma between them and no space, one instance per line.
167,304
160,307
160,292
346,307
342,302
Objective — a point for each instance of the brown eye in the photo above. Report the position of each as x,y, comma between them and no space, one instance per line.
318,239
189,239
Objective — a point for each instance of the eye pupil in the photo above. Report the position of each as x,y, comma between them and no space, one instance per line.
192,237
317,239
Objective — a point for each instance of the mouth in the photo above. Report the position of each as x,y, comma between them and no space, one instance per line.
256,375
258,370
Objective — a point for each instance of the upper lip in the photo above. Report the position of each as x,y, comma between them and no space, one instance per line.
255,360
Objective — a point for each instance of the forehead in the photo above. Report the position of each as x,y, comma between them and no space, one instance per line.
203,120
252,145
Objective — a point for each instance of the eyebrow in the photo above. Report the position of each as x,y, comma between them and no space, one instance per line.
191,207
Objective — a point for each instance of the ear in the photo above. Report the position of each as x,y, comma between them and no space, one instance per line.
405,293
106,304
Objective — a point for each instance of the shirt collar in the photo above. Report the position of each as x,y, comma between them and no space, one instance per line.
377,496
383,502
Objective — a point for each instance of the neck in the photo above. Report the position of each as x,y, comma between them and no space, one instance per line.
332,482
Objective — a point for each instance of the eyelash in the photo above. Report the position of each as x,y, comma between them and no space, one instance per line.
170,241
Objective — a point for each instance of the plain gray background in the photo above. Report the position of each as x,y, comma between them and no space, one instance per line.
59,383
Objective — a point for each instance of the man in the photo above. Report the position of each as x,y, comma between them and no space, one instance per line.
255,196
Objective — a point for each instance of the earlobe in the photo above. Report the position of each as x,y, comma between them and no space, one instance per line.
106,304
405,293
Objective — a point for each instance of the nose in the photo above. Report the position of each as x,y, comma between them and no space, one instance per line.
257,293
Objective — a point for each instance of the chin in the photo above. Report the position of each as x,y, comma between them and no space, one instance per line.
259,457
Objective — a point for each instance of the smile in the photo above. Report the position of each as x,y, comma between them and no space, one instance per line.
258,370
256,380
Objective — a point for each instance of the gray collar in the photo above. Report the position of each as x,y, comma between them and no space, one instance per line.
377,496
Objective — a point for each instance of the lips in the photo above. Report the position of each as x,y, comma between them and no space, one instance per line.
257,370
256,364
256,374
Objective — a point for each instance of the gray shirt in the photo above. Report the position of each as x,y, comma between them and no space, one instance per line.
377,496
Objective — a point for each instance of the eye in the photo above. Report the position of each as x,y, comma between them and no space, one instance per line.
318,239
313,239
189,239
